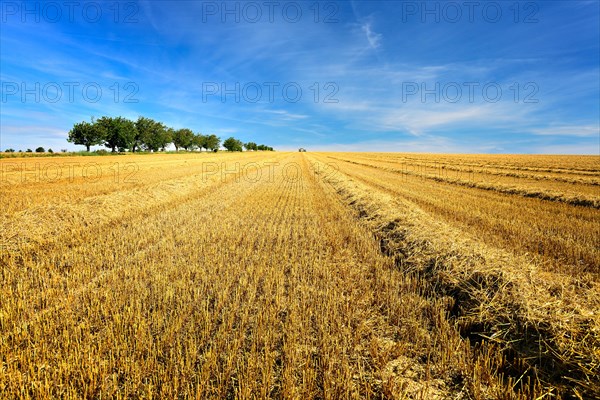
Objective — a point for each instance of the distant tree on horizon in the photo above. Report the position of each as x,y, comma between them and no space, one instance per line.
119,132
151,135
86,134
233,144
198,141
212,143
183,138
264,147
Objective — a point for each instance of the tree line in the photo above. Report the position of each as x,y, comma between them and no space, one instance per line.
37,150
145,134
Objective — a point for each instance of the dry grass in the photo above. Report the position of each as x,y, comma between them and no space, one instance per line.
195,279
560,235
546,324
571,186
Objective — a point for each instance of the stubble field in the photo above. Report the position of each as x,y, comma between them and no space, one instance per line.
300,275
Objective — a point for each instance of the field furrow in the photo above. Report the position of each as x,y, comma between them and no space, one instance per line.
563,235
571,191
542,321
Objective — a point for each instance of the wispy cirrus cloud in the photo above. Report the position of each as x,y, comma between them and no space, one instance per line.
373,38
569,131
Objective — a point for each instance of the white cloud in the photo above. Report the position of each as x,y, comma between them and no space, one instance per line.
569,130
418,120
287,116
373,38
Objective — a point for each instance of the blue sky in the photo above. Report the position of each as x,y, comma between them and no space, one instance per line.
478,77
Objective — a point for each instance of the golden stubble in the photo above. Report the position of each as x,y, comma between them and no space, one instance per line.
193,278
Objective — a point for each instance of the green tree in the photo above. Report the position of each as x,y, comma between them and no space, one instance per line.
119,132
141,128
40,150
198,141
86,134
251,146
183,138
212,143
166,138
264,147
151,135
28,151
232,144
50,151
